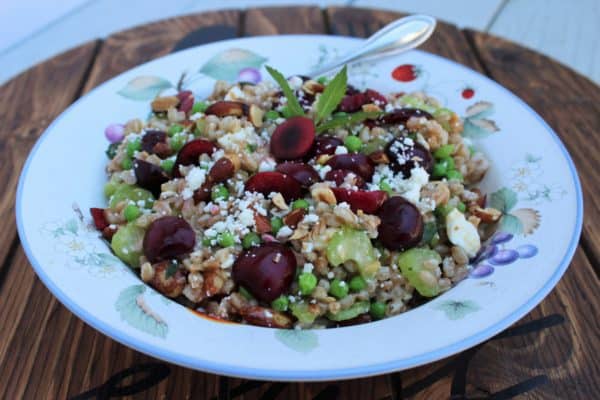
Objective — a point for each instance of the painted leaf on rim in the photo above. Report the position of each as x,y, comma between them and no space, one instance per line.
133,309
143,88
299,340
227,64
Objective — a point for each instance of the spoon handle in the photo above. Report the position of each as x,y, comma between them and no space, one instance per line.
396,37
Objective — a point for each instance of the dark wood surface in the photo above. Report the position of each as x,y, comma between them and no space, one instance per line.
47,352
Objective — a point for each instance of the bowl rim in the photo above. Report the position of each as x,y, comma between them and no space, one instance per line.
230,369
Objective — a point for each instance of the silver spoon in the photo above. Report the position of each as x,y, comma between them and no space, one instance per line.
397,37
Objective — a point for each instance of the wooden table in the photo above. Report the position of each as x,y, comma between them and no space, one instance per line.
47,352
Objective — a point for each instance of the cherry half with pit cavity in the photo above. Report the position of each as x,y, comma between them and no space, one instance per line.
293,139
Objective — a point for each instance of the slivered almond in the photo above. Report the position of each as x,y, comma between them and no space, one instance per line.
487,215
293,219
263,225
227,108
255,115
379,157
312,87
371,107
162,104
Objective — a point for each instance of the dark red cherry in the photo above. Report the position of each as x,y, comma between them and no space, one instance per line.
367,201
191,152
339,176
305,174
273,182
99,218
149,176
373,96
324,144
400,116
401,224
151,139
266,271
355,162
404,155
168,238
293,139
353,102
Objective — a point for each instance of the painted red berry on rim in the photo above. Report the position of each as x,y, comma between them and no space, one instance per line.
467,93
405,73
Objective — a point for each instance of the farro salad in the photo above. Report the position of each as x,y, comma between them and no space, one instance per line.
301,204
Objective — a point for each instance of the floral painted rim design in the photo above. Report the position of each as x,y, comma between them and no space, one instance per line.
229,369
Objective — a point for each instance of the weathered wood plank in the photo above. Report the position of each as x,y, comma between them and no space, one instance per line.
283,20
28,104
132,47
569,102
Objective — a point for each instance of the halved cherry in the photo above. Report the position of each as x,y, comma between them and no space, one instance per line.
404,157
149,176
293,139
339,176
400,116
266,271
191,152
305,174
167,238
355,162
324,144
273,182
151,138
100,221
401,224
367,201
373,96
352,102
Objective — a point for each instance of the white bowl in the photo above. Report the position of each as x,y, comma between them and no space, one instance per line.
532,176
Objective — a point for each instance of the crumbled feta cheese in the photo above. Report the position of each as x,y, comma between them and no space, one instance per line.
195,178
284,232
235,93
341,150
322,170
308,268
330,274
196,116
268,164
187,193
295,82
310,219
462,233
246,217
228,261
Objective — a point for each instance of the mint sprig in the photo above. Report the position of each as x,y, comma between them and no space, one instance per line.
344,120
293,105
332,96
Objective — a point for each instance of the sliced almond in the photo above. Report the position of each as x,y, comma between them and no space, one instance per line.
227,108
488,215
371,107
255,115
263,225
312,87
293,219
379,157
162,104
279,202
323,193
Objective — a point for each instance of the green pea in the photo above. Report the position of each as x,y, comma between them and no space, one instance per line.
133,146
281,303
358,283
307,281
219,192
442,210
175,128
449,163
338,288
276,224
272,115
383,185
127,163
225,239
454,175
439,170
340,114
322,80
444,151
251,148
199,106
131,212
300,203
245,293
377,310
167,165
250,239
177,141
353,143
111,151
461,207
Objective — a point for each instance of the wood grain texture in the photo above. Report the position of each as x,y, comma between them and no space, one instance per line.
569,102
283,20
28,104
47,352
132,47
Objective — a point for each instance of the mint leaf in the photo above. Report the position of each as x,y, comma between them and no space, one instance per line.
332,95
293,106
344,120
